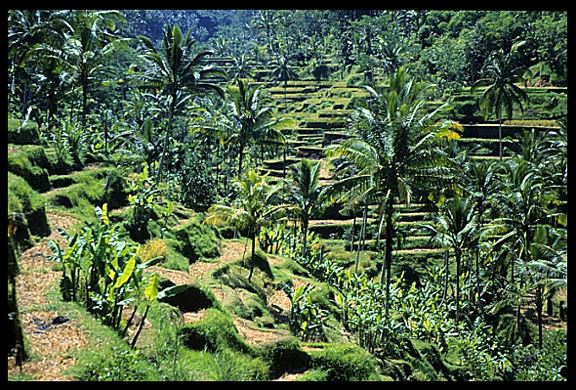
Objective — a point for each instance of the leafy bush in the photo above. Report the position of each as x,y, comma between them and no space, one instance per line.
142,198
344,362
214,332
27,211
192,298
196,240
306,316
196,183
285,355
155,247
120,365
548,364
88,188
22,132
29,162
221,365
100,270
260,262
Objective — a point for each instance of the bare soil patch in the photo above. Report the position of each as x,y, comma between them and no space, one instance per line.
52,338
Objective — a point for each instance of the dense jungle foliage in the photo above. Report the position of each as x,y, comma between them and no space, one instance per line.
399,177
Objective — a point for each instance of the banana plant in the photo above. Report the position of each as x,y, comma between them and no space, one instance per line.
306,317
152,294
107,265
70,263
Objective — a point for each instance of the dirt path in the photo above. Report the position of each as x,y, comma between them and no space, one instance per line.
199,269
231,250
51,344
51,337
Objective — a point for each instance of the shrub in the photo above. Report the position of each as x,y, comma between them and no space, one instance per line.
260,262
29,205
192,299
86,189
21,132
285,355
235,366
151,249
214,332
548,364
344,362
196,240
222,365
120,365
28,162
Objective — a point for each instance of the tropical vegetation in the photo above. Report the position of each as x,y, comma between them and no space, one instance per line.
185,186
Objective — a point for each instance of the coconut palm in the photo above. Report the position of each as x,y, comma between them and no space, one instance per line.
456,228
547,270
177,71
250,119
397,151
283,71
87,46
305,193
251,210
502,72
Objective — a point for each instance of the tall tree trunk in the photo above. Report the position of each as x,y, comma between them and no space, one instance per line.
446,278
500,135
84,103
240,158
353,233
304,236
539,309
388,252
253,256
458,256
479,301
362,234
133,343
166,139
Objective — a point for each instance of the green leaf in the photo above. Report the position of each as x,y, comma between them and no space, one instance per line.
149,263
563,219
151,291
127,272
172,291
105,214
339,300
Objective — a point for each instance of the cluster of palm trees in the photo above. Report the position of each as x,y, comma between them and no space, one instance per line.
240,116
505,219
72,48
71,51
259,204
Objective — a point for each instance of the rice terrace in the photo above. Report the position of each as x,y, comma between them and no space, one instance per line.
287,195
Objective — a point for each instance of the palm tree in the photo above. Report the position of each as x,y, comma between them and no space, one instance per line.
547,271
175,69
456,228
305,194
251,210
241,67
397,151
266,21
28,32
250,119
502,72
88,44
285,72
